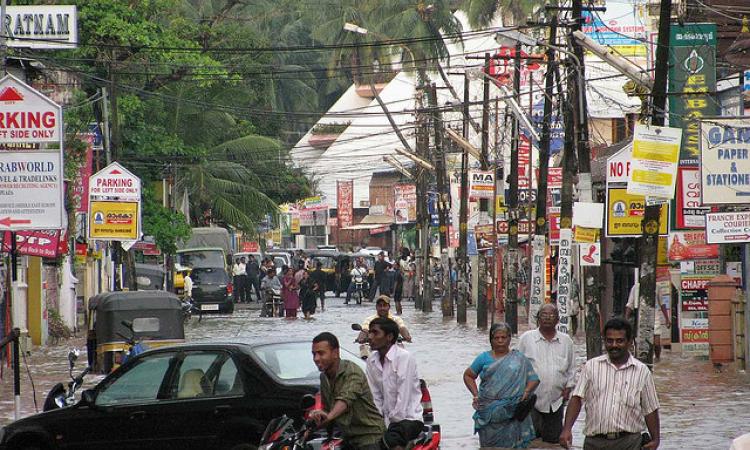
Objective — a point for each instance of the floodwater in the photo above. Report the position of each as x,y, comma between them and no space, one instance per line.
701,407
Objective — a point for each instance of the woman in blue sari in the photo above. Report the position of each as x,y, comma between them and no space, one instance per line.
507,379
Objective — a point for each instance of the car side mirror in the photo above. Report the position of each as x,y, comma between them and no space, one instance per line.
88,397
307,401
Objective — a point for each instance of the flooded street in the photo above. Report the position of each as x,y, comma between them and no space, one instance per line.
700,407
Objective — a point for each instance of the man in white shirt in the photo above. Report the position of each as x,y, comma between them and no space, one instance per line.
660,310
394,382
552,356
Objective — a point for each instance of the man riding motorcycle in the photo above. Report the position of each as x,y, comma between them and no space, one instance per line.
358,275
383,308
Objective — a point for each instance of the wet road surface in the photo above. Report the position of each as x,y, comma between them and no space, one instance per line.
701,408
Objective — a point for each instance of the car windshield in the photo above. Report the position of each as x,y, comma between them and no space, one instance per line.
204,276
294,361
279,261
201,258
328,262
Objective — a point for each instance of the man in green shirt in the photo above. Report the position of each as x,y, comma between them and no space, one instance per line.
346,396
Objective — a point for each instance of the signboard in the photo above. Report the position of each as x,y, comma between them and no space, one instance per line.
250,247
537,277
31,190
115,182
618,165
725,161
345,203
690,245
42,26
114,220
590,254
692,68
81,182
689,213
312,217
694,292
43,243
524,165
481,184
26,115
564,277
405,196
728,228
586,235
655,156
294,228
625,213
485,236
622,26
471,244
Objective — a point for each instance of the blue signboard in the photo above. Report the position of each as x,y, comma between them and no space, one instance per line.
471,243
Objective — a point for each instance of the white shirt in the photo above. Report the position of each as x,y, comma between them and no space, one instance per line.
188,286
616,399
238,269
554,362
395,385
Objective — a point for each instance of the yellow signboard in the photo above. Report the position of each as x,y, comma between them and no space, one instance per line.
586,235
661,252
117,221
294,229
276,236
625,213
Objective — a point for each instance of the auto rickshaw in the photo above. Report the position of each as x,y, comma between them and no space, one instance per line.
328,259
155,317
344,265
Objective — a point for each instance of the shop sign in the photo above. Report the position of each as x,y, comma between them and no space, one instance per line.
114,220
690,245
345,203
481,184
564,277
692,68
405,196
81,182
586,235
621,27
728,228
250,247
43,243
625,214
295,225
694,292
590,254
725,161
538,274
689,212
656,152
31,190
42,26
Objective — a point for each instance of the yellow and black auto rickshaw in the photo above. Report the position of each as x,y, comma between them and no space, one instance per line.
327,259
118,319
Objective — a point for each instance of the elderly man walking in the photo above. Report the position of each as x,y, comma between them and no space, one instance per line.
619,394
552,356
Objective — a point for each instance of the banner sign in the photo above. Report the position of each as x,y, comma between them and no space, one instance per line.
405,205
524,164
43,243
42,26
728,228
725,161
564,277
692,70
114,220
690,245
689,213
622,26
481,184
538,275
625,214
81,183
656,152
345,203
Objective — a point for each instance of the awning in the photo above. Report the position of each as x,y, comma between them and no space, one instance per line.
365,226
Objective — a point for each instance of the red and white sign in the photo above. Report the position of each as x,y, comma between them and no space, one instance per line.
250,247
26,115
44,243
618,165
81,183
690,245
689,214
728,228
345,203
524,163
115,182
481,184
589,254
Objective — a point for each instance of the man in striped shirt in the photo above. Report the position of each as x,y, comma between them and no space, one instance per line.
619,394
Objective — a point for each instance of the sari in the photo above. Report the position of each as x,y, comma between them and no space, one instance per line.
501,389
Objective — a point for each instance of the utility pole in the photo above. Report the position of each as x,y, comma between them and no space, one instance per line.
539,244
483,203
592,288
511,259
423,142
463,258
3,37
443,200
649,240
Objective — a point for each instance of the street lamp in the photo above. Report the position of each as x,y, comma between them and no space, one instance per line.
421,162
354,28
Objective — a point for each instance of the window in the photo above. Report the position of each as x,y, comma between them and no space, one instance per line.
293,360
207,374
139,384
206,276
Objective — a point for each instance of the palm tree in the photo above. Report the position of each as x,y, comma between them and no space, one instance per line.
482,13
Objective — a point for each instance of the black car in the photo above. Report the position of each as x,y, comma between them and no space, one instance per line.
217,396
212,290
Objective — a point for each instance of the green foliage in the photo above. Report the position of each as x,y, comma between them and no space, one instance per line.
330,128
56,328
166,226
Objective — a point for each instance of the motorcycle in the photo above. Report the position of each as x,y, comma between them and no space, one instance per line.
60,396
272,305
360,287
189,308
135,346
281,434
